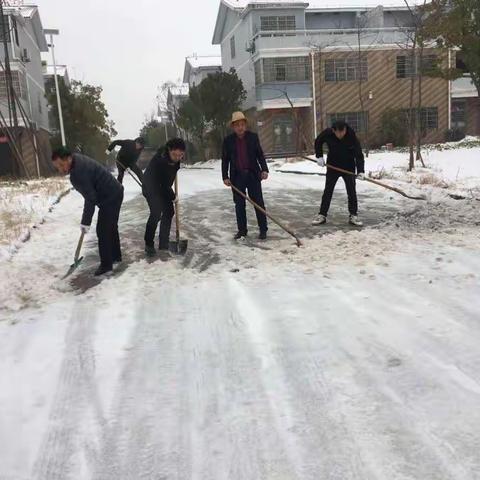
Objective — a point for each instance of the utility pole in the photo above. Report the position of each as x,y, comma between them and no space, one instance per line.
59,101
12,109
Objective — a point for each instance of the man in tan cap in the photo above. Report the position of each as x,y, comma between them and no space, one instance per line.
244,166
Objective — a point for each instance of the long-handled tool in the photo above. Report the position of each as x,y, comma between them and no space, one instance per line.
273,219
178,246
371,180
77,259
129,172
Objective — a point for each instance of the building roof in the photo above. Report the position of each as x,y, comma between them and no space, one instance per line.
198,62
31,13
61,70
205,61
179,90
321,4
240,6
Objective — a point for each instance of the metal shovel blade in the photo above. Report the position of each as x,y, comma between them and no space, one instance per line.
73,267
179,247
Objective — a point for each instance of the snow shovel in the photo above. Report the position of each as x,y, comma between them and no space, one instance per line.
371,180
77,260
274,220
178,246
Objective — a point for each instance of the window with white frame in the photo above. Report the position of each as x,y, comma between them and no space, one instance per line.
276,23
346,69
356,120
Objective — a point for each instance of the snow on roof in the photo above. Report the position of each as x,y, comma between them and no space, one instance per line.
205,61
179,90
61,70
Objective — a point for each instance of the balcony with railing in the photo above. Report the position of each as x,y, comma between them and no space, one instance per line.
264,41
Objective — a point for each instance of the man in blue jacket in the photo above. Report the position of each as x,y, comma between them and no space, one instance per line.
99,189
244,166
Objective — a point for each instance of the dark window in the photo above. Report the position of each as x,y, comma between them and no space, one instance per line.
275,23
346,70
357,120
15,31
428,117
288,69
232,47
459,114
408,66
5,29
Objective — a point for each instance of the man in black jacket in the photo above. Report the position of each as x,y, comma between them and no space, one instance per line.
345,152
157,188
97,186
128,155
244,166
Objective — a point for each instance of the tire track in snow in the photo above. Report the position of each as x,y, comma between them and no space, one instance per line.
76,393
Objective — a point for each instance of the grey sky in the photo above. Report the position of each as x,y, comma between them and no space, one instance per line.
129,47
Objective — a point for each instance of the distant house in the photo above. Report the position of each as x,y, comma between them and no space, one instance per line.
26,41
49,75
197,68
299,64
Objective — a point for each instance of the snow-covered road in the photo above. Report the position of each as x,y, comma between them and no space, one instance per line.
355,357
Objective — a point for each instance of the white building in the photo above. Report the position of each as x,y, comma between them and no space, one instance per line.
197,68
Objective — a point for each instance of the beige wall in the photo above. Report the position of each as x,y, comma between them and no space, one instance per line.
387,92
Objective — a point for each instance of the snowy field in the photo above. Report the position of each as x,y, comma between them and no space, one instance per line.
354,357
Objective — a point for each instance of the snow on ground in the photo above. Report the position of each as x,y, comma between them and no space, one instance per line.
23,206
354,357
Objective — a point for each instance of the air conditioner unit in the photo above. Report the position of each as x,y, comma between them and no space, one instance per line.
24,56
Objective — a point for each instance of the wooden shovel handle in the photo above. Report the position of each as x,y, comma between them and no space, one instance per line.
177,216
273,219
79,246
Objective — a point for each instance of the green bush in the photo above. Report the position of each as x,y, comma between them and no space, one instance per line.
393,128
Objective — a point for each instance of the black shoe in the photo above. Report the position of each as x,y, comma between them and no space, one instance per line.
150,251
101,270
262,236
240,235
163,248
117,260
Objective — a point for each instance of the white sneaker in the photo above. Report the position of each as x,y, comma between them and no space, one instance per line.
319,220
355,221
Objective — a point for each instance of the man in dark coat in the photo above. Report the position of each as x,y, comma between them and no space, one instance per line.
244,166
128,155
157,188
99,189
345,152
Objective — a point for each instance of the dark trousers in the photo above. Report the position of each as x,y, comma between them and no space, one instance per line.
330,182
161,210
107,232
247,180
134,168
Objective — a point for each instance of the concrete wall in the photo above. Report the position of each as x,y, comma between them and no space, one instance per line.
330,20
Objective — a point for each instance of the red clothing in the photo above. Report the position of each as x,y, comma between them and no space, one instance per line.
242,160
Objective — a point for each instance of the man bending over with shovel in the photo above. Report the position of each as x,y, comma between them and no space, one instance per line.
97,186
128,155
157,189
244,167
345,152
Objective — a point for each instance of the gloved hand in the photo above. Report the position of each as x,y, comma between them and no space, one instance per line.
321,162
85,229
108,152
361,176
